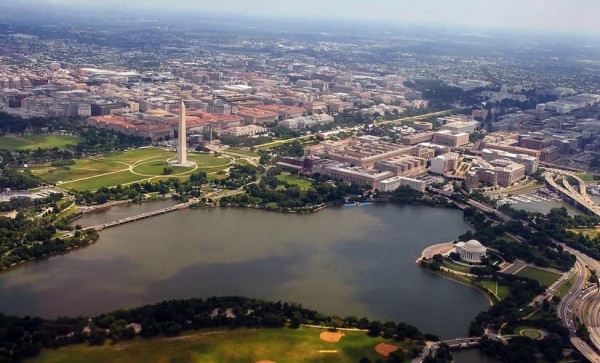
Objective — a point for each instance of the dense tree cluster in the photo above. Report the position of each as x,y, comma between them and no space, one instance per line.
23,238
240,175
285,133
441,94
136,191
538,248
272,193
525,350
17,180
20,203
244,140
294,148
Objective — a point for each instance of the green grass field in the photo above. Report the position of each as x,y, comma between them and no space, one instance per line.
503,290
125,167
303,183
588,232
585,177
545,278
529,332
33,142
456,267
240,345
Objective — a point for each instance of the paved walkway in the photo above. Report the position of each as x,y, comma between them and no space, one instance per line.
517,266
438,249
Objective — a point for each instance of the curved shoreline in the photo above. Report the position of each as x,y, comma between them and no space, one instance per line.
484,292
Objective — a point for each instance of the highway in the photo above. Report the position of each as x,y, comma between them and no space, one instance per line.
580,197
584,304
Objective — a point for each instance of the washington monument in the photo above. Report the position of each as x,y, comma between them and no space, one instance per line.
182,139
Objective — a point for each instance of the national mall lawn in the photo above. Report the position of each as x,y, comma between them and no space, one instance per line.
126,167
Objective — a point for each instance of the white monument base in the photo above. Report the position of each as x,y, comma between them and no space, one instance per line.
186,164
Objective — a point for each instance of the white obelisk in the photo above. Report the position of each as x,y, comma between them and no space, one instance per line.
182,138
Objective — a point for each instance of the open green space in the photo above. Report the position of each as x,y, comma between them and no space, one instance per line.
208,160
502,290
529,332
108,180
242,152
125,167
157,167
588,232
83,168
303,183
585,177
544,277
33,142
136,155
456,266
239,345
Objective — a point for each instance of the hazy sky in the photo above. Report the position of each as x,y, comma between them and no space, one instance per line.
564,15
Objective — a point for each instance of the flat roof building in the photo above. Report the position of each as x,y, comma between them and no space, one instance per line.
396,182
447,137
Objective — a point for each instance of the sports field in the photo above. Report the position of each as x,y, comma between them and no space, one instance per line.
544,277
127,167
239,345
33,142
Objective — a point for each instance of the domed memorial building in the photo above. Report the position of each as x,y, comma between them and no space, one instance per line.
472,251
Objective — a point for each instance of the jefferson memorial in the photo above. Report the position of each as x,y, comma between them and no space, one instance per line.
472,251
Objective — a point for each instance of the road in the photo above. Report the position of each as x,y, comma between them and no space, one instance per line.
575,303
457,343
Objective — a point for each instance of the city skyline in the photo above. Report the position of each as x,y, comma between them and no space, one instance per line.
553,15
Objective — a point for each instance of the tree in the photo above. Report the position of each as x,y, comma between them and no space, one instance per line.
336,324
375,328
97,336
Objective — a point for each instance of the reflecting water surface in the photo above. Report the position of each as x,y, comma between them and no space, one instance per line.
347,261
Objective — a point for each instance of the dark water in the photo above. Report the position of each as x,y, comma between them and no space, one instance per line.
347,261
472,356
